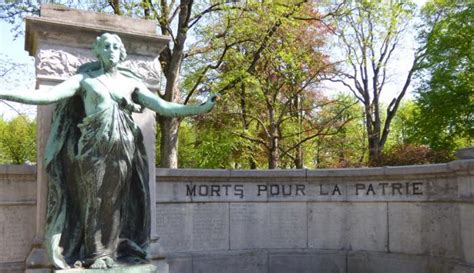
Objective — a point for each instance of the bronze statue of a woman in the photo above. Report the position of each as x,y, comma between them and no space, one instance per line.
98,200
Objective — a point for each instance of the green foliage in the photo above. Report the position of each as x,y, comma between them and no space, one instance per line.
368,38
209,147
403,125
266,59
17,141
345,148
445,119
269,75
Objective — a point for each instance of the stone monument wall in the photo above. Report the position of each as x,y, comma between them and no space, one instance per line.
411,219
17,215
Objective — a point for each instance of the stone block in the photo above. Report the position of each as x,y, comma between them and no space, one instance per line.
17,229
288,191
146,268
38,270
284,174
225,192
78,28
388,190
442,188
38,258
465,153
58,12
327,262
425,228
406,227
416,169
180,265
358,226
268,225
17,191
386,263
164,172
464,165
347,172
17,267
467,231
327,225
327,191
367,226
463,269
171,192
188,227
162,266
370,189
27,170
247,262
466,187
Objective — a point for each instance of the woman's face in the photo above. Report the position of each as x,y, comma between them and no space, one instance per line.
109,52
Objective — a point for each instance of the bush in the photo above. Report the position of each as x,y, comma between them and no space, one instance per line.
414,154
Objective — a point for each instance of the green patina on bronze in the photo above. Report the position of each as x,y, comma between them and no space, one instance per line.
99,201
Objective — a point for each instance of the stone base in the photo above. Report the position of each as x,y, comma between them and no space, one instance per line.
157,267
38,270
311,261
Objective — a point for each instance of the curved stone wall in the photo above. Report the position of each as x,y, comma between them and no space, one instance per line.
391,219
17,215
413,219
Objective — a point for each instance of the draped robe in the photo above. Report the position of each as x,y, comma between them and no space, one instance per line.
98,199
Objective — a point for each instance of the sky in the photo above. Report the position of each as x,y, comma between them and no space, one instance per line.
22,78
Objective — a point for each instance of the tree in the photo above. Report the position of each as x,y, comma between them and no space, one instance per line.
346,148
175,19
369,35
403,125
17,136
270,75
18,141
445,98
205,145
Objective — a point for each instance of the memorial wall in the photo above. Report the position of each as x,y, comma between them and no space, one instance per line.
410,219
17,215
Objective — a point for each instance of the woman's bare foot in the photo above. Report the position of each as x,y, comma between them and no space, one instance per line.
103,263
99,264
110,262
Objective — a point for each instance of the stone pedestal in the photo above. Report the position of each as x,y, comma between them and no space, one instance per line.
157,267
60,40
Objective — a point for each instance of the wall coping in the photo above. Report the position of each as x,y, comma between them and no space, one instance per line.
18,169
466,165
457,165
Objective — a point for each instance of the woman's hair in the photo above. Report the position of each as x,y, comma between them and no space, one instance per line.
100,41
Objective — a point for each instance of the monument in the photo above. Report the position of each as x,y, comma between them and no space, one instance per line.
410,219
98,204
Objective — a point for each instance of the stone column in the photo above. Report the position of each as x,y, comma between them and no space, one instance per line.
60,40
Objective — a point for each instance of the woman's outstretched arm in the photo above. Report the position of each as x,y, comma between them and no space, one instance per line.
64,90
146,98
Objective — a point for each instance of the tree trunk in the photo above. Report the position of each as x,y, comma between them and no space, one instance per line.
375,151
171,60
274,154
299,159
373,138
169,142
